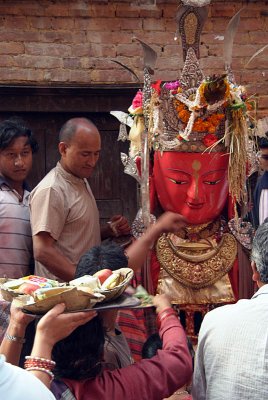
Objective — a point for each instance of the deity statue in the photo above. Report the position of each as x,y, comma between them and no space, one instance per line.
194,149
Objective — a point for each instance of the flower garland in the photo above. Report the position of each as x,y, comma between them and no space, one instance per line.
189,112
208,124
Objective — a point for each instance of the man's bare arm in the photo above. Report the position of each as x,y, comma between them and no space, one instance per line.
47,254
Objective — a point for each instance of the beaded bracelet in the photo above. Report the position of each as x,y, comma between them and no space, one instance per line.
29,364
46,371
34,358
39,362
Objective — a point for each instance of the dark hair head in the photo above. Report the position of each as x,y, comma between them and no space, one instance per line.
152,344
259,253
107,255
263,142
13,128
69,129
79,355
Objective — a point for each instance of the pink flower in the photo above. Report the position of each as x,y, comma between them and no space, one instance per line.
137,101
172,85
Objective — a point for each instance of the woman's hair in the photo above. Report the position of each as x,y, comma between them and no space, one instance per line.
152,344
14,128
78,356
107,255
155,343
263,142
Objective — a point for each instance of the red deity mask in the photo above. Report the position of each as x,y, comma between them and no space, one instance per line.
192,184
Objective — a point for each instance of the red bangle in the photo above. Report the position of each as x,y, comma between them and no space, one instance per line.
35,358
164,316
163,311
166,312
29,364
39,362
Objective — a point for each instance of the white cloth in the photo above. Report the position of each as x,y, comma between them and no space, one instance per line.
18,384
263,206
232,355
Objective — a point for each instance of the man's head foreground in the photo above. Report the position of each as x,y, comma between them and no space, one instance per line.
14,128
259,254
263,153
107,255
79,146
17,145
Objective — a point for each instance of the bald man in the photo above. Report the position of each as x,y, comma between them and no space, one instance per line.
64,215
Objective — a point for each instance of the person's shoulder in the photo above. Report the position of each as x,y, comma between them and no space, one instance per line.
51,181
262,178
219,312
46,180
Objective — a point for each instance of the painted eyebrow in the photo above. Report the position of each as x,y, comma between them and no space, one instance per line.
215,170
177,170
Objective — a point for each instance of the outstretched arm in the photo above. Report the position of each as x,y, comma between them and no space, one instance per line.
154,378
138,250
55,326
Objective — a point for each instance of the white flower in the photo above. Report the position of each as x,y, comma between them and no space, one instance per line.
196,3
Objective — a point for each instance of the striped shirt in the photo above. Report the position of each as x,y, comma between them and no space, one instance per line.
15,232
64,206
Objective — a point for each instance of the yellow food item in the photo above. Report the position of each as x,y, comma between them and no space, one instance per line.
41,294
112,281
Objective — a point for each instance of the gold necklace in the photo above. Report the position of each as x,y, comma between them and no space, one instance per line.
201,231
193,274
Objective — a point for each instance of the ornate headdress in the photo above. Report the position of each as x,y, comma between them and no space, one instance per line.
194,113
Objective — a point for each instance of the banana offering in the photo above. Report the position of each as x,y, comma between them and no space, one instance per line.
38,295
113,280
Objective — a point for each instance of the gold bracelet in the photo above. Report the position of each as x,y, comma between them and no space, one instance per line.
181,392
13,338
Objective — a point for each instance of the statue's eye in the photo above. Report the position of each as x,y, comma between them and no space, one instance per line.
178,182
212,182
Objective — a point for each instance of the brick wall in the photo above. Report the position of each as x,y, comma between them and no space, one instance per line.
73,42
